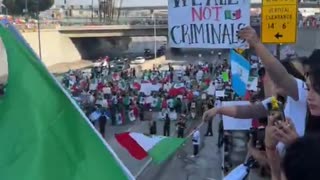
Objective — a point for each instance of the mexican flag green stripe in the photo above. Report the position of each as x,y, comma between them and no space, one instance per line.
161,151
43,133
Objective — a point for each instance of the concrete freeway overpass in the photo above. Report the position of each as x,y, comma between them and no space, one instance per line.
69,44
253,5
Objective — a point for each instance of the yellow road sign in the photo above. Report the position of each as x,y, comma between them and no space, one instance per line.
279,21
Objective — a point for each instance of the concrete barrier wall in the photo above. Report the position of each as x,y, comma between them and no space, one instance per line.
56,48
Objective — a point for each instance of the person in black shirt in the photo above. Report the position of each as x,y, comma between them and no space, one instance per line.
153,127
181,125
210,104
166,127
209,128
102,125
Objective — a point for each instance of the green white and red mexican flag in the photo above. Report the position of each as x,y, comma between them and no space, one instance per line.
140,146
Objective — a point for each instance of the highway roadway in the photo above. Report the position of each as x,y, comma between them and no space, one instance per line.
181,166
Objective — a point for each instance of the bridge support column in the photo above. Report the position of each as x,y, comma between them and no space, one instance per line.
56,48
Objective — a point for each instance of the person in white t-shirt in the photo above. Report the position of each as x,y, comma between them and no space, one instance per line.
196,142
287,133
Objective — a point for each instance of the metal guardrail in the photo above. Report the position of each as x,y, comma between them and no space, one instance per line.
133,21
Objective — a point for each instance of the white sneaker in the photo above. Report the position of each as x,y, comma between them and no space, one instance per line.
192,156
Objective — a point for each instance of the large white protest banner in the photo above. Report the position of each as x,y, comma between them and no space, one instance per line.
207,23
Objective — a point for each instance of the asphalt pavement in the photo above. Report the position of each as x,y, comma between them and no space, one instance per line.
137,167
183,167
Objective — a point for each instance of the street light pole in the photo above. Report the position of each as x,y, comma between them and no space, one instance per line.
155,34
26,7
92,11
39,33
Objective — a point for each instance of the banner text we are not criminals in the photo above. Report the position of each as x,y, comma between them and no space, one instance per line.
207,23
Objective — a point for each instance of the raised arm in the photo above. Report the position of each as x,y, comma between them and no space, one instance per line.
277,72
241,112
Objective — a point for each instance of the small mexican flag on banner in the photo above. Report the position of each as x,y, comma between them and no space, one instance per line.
140,146
232,15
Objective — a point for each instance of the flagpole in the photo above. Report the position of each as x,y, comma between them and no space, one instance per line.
39,33
154,34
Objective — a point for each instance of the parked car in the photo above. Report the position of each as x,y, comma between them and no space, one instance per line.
138,60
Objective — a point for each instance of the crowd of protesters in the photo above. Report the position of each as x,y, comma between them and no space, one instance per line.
176,93
289,148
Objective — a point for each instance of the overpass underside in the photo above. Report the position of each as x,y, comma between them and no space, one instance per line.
91,48
113,33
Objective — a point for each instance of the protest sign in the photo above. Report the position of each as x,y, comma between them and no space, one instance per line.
220,93
225,76
207,23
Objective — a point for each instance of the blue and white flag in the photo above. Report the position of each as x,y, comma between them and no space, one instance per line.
240,70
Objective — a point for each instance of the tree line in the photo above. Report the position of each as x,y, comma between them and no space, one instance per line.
16,7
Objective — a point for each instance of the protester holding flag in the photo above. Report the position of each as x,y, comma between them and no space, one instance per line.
286,131
277,72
